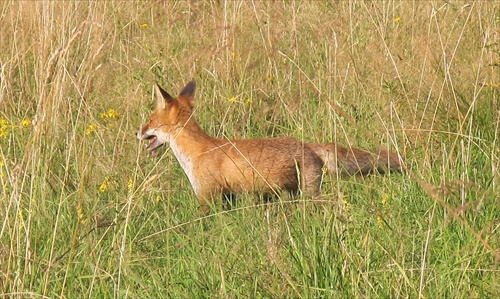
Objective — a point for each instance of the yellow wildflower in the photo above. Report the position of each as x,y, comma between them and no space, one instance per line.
79,212
397,20
104,186
2,164
25,123
347,205
111,113
248,101
144,25
385,199
232,99
4,127
20,219
130,184
380,220
90,129
158,198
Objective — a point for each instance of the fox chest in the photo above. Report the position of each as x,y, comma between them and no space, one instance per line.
186,161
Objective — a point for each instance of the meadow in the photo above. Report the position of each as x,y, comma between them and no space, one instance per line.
86,212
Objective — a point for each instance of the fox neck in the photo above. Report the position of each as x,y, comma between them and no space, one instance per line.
190,138
188,142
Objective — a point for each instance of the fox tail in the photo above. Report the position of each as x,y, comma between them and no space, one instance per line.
351,161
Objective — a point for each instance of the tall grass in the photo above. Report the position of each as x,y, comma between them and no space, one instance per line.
86,212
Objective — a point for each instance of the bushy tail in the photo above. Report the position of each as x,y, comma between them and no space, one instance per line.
351,161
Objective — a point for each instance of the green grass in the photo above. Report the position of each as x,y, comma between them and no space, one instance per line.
85,212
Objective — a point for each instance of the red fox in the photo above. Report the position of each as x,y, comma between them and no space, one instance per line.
222,167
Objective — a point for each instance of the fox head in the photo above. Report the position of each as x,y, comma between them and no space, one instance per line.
170,115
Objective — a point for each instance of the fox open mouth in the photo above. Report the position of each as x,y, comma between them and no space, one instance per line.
153,142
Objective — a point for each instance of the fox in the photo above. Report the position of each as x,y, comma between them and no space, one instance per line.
221,168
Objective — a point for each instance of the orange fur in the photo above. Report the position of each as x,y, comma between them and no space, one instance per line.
217,167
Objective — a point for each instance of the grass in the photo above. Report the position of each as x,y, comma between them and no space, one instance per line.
86,212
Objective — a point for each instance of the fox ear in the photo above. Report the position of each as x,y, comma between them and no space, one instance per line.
188,93
162,97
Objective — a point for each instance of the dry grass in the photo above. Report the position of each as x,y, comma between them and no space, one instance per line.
78,190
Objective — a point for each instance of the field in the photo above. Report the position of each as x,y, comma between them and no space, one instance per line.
86,212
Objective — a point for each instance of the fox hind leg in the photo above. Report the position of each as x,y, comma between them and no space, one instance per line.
311,176
228,201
